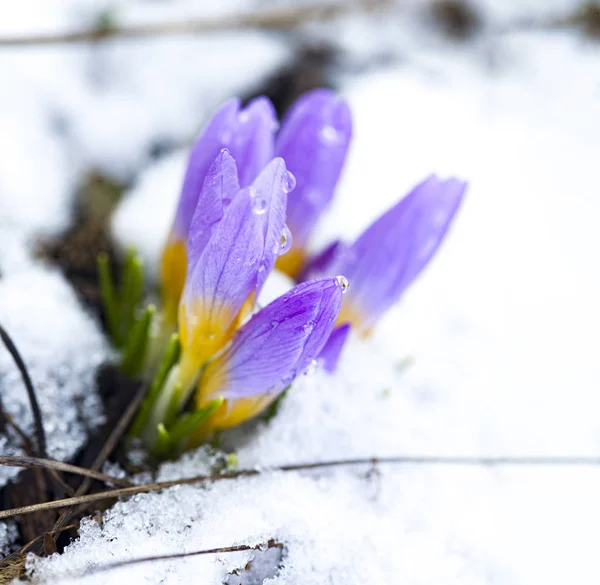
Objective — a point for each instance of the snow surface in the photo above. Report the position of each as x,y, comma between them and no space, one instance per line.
500,331
61,346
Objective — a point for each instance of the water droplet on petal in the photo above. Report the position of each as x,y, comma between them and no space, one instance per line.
259,205
308,327
289,182
343,282
311,368
226,136
329,135
286,240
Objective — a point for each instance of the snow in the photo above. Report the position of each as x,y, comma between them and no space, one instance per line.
61,346
500,330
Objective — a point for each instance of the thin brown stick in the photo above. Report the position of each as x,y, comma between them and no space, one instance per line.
398,460
11,422
211,551
33,401
52,464
275,18
53,533
60,487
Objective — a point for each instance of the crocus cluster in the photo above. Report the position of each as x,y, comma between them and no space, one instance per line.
251,199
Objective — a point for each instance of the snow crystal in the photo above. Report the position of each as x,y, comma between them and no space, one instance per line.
61,346
8,534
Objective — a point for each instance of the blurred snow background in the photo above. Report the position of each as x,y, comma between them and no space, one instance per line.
502,327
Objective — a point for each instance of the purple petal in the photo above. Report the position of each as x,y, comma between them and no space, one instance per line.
219,188
323,261
390,254
269,204
330,355
247,133
313,141
276,344
226,271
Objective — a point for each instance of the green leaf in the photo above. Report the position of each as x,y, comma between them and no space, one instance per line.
137,343
189,422
109,298
163,441
132,290
169,359
274,407
174,405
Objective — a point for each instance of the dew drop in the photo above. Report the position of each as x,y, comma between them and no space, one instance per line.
329,135
286,240
289,182
259,205
311,368
310,325
343,282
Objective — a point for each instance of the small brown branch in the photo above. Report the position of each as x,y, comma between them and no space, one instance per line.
33,401
399,460
211,551
275,18
11,422
52,464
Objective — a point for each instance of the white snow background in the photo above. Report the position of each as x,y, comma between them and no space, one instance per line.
502,328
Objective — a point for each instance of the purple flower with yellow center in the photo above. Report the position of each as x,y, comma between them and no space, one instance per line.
248,134
391,252
235,237
267,353
313,141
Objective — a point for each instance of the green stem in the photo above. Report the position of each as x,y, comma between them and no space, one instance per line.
169,359
109,298
137,343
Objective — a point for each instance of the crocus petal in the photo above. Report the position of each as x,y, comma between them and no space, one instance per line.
233,263
220,187
313,140
270,191
271,349
323,261
219,284
332,350
247,133
390,254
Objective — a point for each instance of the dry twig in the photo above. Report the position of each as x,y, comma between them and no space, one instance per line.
212,551
274,18
52,464
399,460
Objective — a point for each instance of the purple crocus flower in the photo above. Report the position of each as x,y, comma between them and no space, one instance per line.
332,350
393,250
313,141
235,238
248,133
269,351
